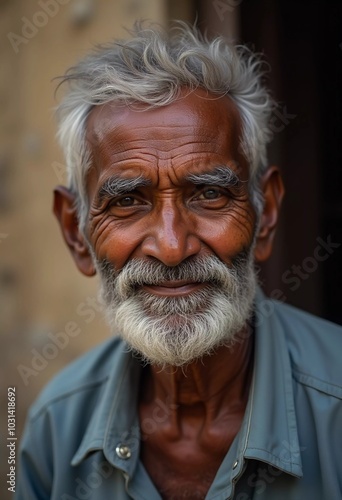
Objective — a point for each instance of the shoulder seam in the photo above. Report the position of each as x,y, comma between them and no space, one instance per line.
36,413
318,384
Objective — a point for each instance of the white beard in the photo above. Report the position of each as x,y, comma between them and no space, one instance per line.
178,330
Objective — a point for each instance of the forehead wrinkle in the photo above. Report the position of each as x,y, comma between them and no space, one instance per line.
180,161
115,144
105,131
140,152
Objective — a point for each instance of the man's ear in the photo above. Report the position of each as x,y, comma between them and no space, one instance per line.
273,191
65,210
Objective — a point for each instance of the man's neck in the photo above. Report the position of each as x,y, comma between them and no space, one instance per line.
209,386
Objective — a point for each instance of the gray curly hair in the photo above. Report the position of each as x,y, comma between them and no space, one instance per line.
152,68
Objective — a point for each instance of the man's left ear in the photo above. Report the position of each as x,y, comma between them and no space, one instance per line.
273,191
65,210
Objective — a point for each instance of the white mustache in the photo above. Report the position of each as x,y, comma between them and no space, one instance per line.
138,272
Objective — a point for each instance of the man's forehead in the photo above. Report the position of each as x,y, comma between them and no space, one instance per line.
196,112
194,134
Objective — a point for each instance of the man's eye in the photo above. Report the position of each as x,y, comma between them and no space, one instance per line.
210,194
126,201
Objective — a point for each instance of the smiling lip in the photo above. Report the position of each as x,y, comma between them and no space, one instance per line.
174,288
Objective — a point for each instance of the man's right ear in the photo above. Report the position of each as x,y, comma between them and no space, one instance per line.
64,208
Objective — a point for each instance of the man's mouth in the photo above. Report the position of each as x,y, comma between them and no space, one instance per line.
177,288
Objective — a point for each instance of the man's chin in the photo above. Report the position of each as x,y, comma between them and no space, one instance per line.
177,353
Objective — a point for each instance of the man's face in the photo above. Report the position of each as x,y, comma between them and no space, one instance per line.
171,224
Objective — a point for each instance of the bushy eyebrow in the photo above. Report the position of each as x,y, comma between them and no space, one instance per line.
116,186
222,176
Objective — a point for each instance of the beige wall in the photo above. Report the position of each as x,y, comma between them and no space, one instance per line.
40,289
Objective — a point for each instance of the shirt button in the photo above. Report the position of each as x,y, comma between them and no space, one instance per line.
235,464
123,451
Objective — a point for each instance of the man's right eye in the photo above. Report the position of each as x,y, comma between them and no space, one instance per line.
126,201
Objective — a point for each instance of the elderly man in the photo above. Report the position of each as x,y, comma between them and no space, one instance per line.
212,391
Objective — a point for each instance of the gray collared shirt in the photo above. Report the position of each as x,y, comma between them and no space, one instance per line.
82,437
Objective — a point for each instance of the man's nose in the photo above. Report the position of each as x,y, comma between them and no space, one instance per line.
170,237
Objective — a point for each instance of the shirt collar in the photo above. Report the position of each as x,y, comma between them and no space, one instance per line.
269,429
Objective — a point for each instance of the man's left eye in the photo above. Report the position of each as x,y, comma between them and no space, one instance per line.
126,201
210,194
